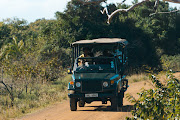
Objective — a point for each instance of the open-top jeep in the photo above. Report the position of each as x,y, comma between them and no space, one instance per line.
98,76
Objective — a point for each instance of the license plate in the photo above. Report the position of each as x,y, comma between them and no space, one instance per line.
91,95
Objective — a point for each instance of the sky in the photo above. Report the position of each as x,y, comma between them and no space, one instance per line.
32,10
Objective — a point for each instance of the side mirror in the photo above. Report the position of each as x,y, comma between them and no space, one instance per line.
69,71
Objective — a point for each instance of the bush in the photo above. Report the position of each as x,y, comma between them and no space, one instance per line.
162,102
170,62
38,95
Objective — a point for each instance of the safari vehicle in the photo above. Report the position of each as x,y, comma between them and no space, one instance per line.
99,77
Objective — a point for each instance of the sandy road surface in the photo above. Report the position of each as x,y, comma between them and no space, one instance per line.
93,111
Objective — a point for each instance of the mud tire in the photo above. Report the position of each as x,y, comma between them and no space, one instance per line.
120,99
73,104
114,103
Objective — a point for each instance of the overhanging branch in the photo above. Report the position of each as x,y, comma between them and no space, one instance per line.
156,5
174,1
110,16
122,2
121,10
163,12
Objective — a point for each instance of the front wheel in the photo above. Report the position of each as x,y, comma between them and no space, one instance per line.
114,103
120,99
73,104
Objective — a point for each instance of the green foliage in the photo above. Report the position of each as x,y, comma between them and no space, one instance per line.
12,50
149,37
82,21
170,62
160,103
4,34
35,55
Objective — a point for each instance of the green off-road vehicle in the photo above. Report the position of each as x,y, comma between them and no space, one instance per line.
99,75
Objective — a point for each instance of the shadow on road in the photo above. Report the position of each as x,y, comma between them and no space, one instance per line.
126,108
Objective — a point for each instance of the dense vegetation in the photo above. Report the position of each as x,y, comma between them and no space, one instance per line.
162,102
36,54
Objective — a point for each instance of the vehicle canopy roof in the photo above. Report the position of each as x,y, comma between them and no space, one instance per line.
102,41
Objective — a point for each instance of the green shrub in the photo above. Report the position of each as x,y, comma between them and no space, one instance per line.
160,103
170,62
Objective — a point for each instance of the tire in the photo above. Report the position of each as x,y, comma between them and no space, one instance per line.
120,99
114,103
81,103
73,104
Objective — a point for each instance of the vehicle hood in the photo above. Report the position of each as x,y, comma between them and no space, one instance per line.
93,75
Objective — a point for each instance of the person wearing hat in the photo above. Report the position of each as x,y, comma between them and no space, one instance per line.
86,53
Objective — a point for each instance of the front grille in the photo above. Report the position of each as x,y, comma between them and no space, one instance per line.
91,85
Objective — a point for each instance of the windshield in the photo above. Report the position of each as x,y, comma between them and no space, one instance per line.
95,65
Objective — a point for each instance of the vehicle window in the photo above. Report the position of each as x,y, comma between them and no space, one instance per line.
95,65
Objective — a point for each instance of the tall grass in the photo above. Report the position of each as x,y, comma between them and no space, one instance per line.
170,62
41,96
137,77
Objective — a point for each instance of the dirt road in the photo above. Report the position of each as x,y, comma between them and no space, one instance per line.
93,111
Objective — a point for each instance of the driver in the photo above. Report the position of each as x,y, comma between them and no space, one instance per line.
86,53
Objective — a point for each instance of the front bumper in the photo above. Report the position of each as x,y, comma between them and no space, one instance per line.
82,95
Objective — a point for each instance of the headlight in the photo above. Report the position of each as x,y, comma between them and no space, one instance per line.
105,84
78,84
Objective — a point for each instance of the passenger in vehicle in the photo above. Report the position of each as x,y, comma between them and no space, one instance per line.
86,53
117,52
106,53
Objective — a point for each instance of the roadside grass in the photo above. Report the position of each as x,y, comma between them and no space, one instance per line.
39,97
145,77
138,77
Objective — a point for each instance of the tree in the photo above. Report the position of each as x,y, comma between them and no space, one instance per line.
4,34
12,50
110,16
78,21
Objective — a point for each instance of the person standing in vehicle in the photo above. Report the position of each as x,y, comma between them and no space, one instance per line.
86,53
